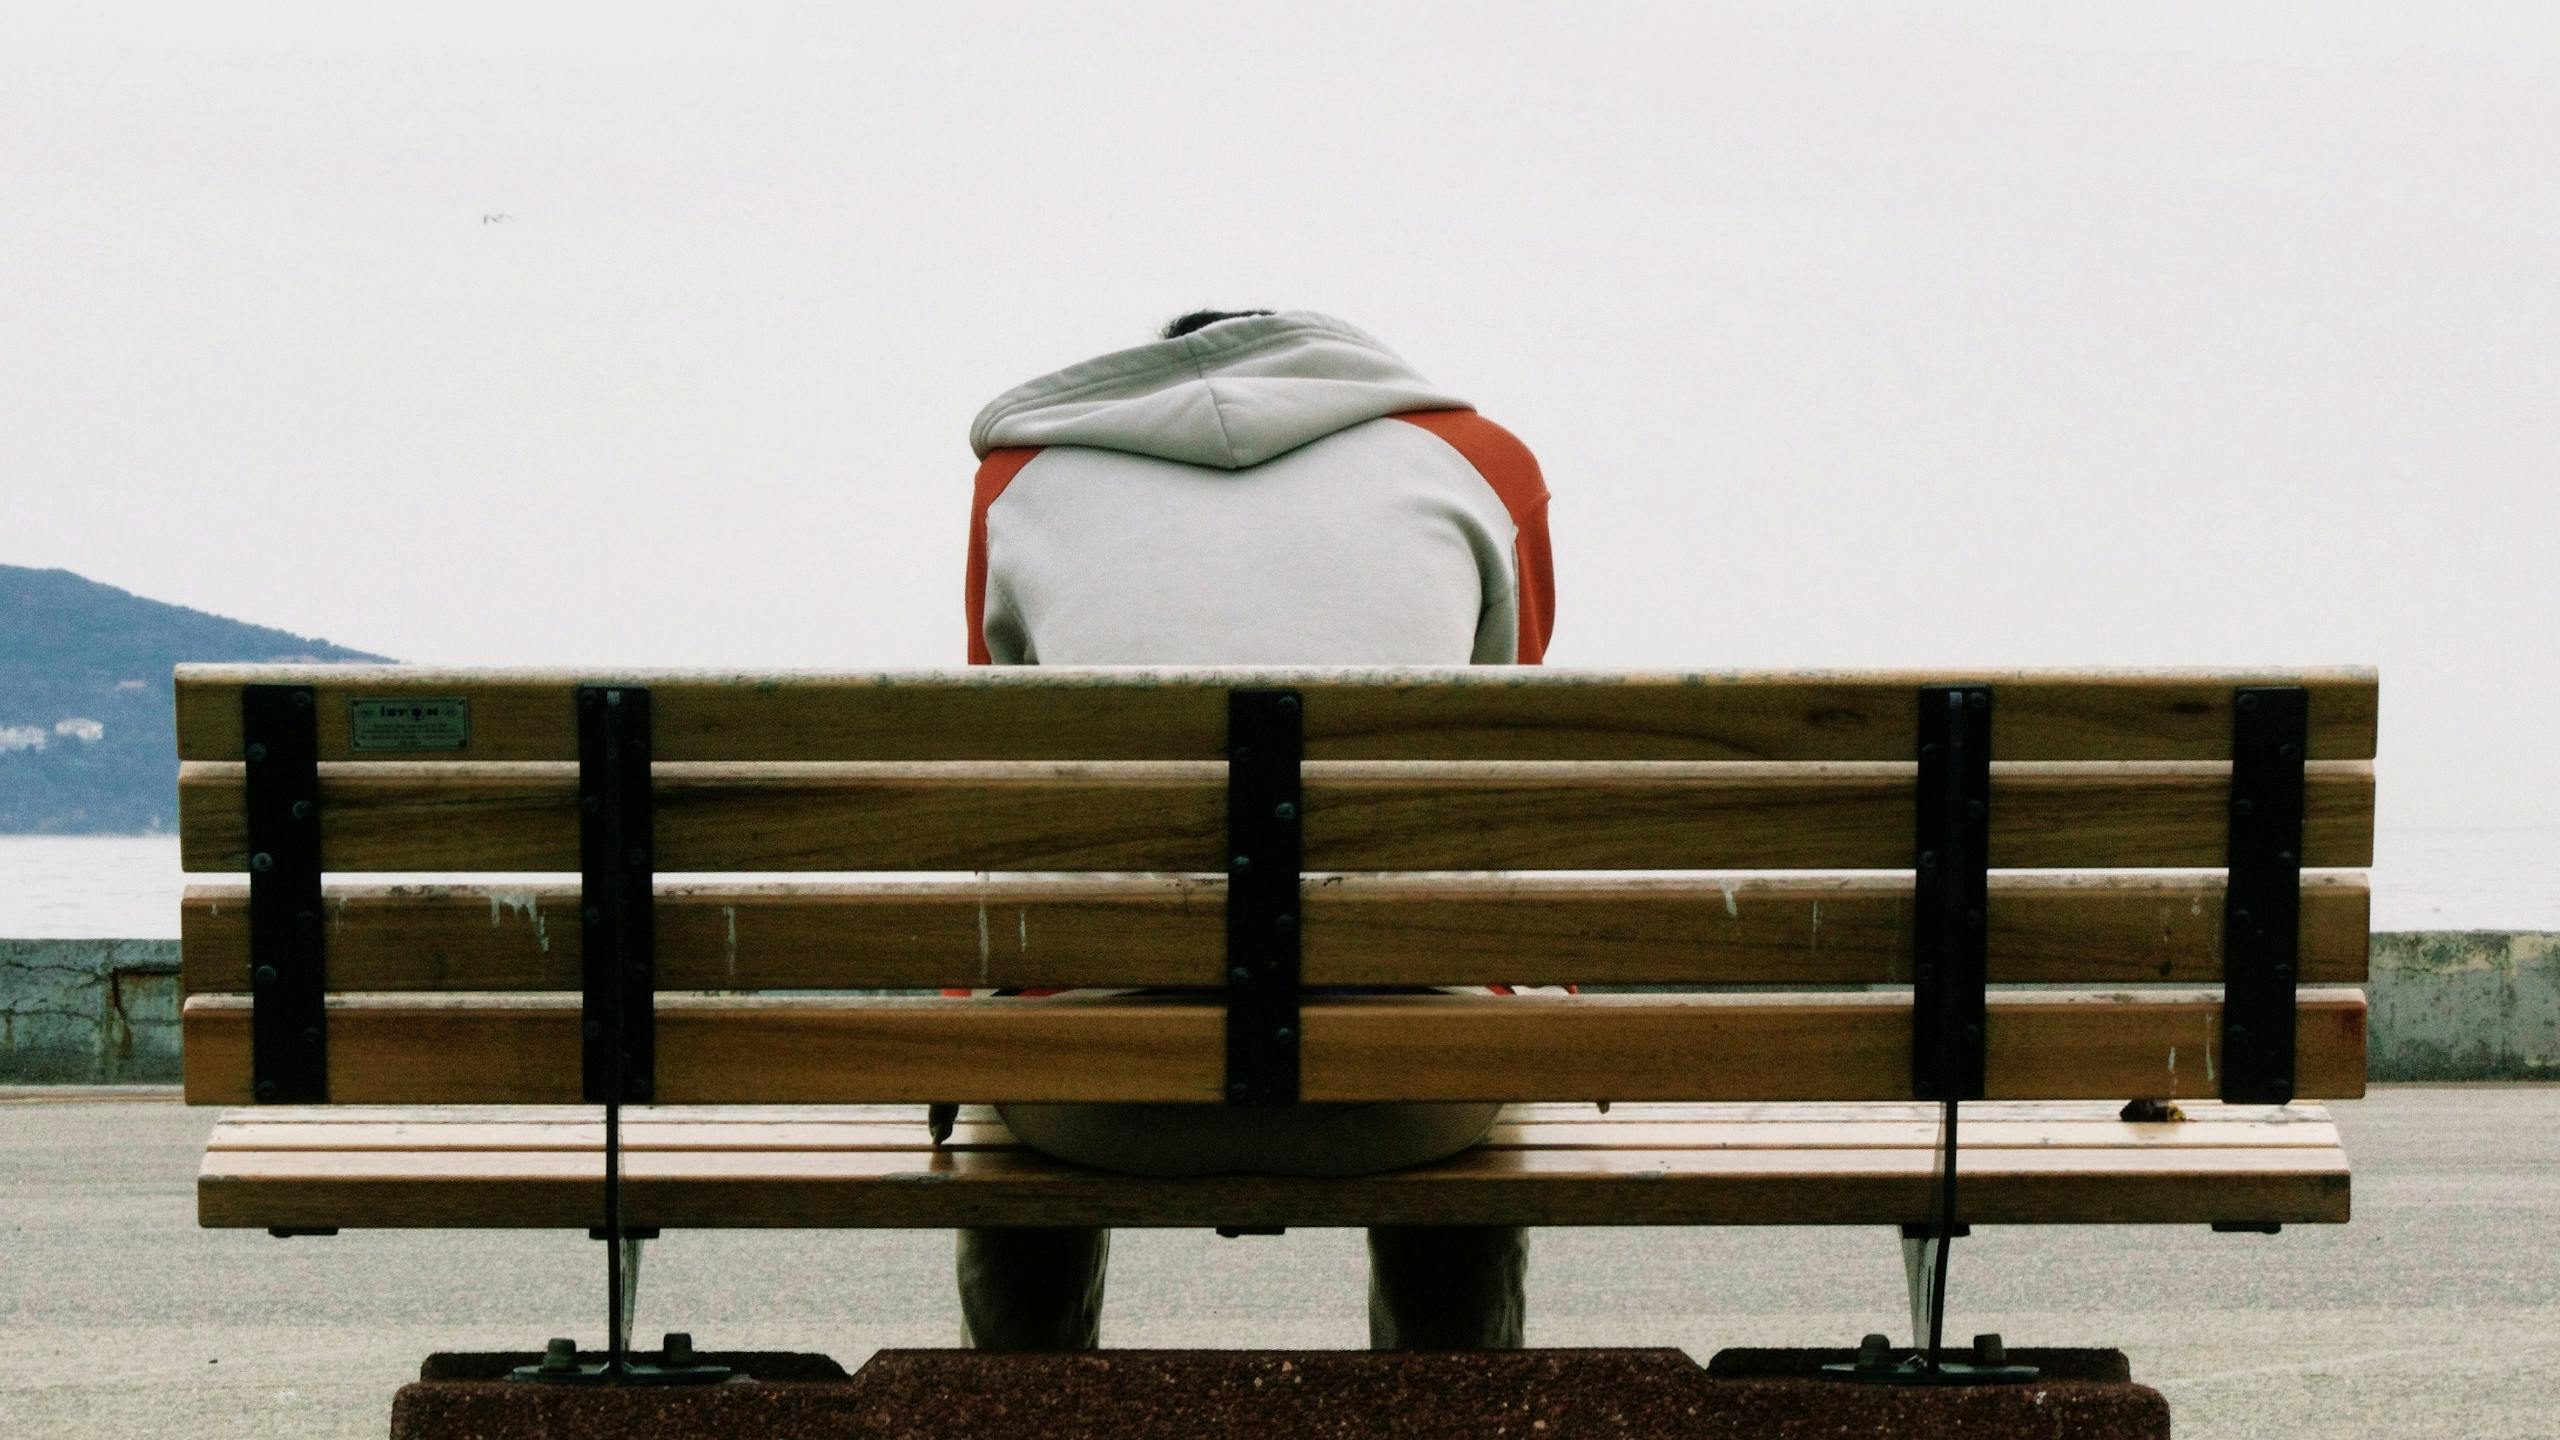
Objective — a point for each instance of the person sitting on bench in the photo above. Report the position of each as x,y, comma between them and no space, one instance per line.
1252,489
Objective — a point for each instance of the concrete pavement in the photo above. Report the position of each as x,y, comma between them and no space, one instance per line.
2436,1313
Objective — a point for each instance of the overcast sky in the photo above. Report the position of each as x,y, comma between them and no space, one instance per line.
1955,335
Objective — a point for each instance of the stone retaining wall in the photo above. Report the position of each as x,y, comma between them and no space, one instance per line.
88,1012
2465,1005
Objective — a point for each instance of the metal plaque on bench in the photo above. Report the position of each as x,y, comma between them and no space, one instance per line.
442,723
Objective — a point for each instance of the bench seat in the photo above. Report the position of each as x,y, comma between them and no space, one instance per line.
2063,1162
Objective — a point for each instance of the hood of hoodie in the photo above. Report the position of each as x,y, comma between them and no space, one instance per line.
1234,394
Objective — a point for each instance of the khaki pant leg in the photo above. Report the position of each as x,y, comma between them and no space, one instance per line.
1447,1287
1032,1287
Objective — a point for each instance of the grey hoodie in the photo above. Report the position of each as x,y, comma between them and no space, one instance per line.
1277,489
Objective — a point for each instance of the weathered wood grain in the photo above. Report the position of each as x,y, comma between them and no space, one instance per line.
247,1132
1481,713
459,1049
1840,1047
1783,1160
919,1188
2200,1115
1357,930
1359,816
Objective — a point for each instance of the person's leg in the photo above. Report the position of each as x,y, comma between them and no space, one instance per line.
1447,1287
1032,1288
1431,1287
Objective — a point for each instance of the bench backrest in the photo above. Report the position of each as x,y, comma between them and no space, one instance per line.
1112,810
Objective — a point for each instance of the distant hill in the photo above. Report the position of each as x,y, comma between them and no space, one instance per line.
87,743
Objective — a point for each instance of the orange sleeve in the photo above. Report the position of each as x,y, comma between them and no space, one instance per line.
995,473
993,476
1512,471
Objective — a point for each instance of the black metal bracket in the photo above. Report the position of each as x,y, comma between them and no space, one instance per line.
1266,743
2262,904
288,946
1987,1363
677,1364
1951,890
615,840
1951,895
618,1012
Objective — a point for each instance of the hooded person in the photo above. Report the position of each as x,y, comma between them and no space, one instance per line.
1260,490
1252,489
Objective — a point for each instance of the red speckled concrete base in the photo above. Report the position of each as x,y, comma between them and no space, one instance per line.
1133,1394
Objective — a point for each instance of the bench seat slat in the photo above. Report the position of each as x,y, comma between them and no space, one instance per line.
1670,1135
1031,713
1358,930
729,818
2201,1113
466,1049
915,1186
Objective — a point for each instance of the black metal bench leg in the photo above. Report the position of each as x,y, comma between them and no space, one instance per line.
629,1293
1950,901
623,1247
617,893
1919,1263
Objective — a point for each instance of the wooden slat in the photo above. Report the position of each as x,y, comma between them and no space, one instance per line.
1359,816
745,1137
1486,713
1845,1047
1773,1112
888,934
1358,930
439,1049
870,1188
2200,1114
1630,930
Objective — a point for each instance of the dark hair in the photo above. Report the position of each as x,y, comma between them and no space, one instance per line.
1201,320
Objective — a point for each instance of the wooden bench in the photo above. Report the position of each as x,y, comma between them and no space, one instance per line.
2113,906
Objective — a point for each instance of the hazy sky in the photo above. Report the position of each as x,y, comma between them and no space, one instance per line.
1951,335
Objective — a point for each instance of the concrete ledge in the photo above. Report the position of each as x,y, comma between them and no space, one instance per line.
780,1395
2465,1005
952,1394
88,1012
